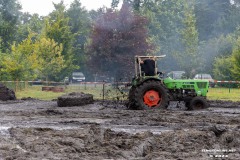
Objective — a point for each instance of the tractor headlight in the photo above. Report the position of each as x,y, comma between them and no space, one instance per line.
199,93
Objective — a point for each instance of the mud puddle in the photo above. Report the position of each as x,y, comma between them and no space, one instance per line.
4,131
134,129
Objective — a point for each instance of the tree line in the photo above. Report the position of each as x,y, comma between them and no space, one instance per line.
196,36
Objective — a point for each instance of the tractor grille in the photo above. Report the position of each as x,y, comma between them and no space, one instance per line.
188,86
202,84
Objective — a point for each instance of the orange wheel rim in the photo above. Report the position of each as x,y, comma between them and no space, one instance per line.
151,98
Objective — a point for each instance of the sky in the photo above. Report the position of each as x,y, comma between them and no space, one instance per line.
44,7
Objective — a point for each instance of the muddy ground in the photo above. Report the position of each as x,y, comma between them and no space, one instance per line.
34,129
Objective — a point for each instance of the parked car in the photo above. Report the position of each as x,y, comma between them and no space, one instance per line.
77,77
207,77
177,74
66,80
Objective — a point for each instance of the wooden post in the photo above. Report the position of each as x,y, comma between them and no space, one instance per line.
26,85
103,90
16,85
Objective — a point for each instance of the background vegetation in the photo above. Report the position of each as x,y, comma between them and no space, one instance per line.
113,93
196,36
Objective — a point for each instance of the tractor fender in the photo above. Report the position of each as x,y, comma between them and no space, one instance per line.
149,79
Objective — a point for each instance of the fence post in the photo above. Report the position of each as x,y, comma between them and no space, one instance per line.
229,90
26,85
16,85
103,90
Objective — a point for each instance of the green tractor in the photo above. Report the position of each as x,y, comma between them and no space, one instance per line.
151,90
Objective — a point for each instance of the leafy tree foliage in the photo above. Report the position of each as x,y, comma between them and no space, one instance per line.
49,58
29,23
222,68
136,4
166,26
209,14
226,67
205,35
21,62
31,59
80,26
116,38
216,47
189,58
57,28
236,60
9,13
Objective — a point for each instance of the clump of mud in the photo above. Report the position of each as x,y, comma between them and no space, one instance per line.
6,93
74,99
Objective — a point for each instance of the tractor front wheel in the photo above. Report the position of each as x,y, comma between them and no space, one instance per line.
150,95
198,103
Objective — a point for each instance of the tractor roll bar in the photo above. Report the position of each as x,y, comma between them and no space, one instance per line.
139,58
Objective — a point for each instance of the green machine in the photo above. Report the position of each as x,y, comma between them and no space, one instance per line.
151,90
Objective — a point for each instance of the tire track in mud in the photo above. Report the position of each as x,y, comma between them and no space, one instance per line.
39,129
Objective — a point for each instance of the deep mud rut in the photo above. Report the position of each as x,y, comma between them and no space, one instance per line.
34,129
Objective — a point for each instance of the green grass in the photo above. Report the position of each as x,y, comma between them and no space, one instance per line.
224,94
36,92
96,91
110,93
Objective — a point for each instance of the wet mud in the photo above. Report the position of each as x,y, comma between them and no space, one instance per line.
74,99
6,93
35,129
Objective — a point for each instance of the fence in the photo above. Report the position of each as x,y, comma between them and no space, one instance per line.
16,85
100,90
119,90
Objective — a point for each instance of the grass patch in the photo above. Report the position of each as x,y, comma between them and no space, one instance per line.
232,94
97,91
36,92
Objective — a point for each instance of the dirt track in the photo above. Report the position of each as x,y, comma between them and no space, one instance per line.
34,129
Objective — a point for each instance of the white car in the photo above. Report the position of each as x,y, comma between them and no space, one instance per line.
207,77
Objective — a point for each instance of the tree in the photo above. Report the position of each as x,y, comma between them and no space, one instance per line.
209,13
80,26
21,63
57,28
9,13
135,4
189,59
216,47
236,60
223,68
29,23
116,38
32,58
166,21
49,57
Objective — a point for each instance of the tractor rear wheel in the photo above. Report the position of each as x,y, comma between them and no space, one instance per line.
150,95
198,103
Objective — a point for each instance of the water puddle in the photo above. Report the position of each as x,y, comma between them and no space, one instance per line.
4,131
226,111
133,129
55,124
